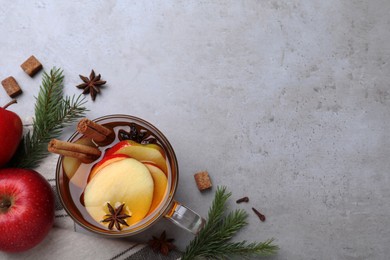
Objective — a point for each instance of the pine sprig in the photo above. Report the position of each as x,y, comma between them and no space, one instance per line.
53,112
212,242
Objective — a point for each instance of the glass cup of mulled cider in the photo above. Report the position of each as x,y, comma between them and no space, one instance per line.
128,186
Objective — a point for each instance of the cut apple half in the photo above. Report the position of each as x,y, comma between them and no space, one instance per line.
141,152
126,181
160,185
70,164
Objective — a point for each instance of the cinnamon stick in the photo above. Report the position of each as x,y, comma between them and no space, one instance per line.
93,130
84,153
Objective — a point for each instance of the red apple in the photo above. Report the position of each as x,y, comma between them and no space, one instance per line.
26,209
11,130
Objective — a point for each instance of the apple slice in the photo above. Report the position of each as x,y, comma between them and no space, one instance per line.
104,162
125,143
160,185
126,181
142,152
70,164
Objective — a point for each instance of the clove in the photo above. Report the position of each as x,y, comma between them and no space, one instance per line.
261,216
244,199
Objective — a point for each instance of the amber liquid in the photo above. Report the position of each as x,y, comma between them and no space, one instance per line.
77,183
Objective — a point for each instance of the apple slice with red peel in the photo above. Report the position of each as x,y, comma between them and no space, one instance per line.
153,164
160,185
117,146
141,152
126,181
125,143
104,162
70,164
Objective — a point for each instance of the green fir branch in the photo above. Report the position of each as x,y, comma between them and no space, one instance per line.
212,242
53,112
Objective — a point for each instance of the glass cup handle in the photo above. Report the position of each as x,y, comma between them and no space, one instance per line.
185,218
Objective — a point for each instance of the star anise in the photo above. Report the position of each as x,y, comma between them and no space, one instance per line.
140,136
162,244
115,217
91,85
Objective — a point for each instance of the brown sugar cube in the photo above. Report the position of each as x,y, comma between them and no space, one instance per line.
11,87
31,66
203,181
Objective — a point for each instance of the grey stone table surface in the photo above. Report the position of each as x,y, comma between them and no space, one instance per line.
287,102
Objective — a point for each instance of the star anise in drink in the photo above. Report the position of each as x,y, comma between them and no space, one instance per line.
116,218
91,85
162,244
139,136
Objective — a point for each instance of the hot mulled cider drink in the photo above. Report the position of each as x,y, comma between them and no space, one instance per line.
117,175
